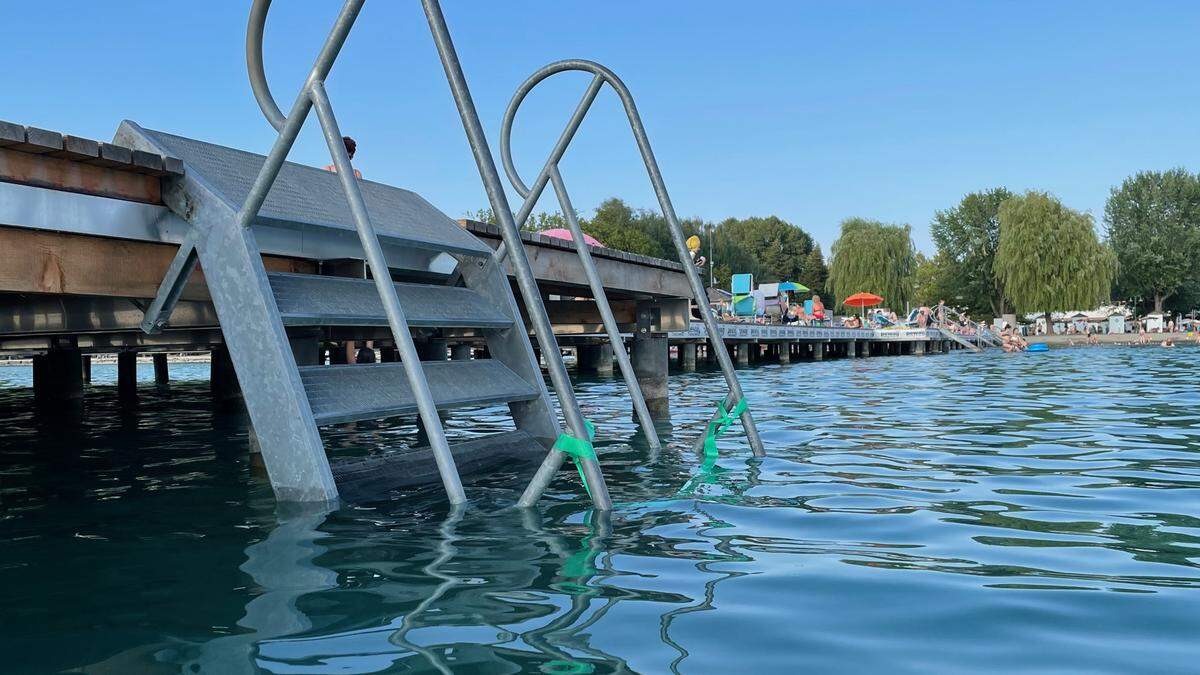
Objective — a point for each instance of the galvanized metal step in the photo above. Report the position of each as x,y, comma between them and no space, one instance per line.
311,300
359,392
308,198
376,476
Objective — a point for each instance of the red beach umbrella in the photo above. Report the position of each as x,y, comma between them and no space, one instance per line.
862,300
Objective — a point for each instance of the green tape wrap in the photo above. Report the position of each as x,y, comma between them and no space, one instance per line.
724,420
579,450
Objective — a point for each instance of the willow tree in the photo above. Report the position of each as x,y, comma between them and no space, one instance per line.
966,237
874,257
1154,229
1049,258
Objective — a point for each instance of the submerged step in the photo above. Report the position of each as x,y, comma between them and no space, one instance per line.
311,300
360,392
375,476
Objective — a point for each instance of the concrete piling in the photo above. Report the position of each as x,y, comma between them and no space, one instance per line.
596,359
162,373
127,375
222,379
58,376
687,356
649,356
784,352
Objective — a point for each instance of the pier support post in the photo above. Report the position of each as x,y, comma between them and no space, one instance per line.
919,348
687,356
710,352
596,359
127,375
460,352
785,352
162,372
741,354
306,346
818,351
649,356
436,349
58,376
388,354
87,368
222,378
852,349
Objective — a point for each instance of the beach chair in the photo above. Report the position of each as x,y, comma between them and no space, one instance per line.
742,288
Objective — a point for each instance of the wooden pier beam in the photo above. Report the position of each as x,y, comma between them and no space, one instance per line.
127,376
649,355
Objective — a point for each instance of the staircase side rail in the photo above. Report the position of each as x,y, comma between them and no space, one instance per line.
312,94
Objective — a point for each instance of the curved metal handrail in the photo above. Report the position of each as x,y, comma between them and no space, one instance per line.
254,63
601,76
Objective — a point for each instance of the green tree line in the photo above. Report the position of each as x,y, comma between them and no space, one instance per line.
996,251
769,247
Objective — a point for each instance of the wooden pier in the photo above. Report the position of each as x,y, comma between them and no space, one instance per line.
86,238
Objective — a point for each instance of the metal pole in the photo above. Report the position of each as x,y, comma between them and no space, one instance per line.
290,127
531,195
387,292
606,315
520,264
698,292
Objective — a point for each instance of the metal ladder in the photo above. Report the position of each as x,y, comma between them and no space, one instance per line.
983,336
550,174
224,193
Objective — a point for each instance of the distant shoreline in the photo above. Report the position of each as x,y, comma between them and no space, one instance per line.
1130,339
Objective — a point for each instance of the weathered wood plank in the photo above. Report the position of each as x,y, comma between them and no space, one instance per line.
114,156
64,174
35,261
78,149
11,134
39,141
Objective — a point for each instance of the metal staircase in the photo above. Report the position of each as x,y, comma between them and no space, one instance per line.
229,196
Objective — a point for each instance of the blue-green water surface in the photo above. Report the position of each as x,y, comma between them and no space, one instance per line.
956,513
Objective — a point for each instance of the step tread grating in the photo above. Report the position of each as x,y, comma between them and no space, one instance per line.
357,392
312,300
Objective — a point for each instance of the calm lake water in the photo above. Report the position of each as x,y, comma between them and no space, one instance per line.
1029,512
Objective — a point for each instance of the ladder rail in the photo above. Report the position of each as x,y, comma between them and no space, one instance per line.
313,95
550,173
606,76
526,281
606,314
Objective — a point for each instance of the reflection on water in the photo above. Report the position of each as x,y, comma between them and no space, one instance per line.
942,513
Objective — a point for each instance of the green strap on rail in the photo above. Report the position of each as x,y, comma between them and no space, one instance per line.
724,420
579,450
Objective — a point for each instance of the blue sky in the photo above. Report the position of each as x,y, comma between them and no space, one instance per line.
811,111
